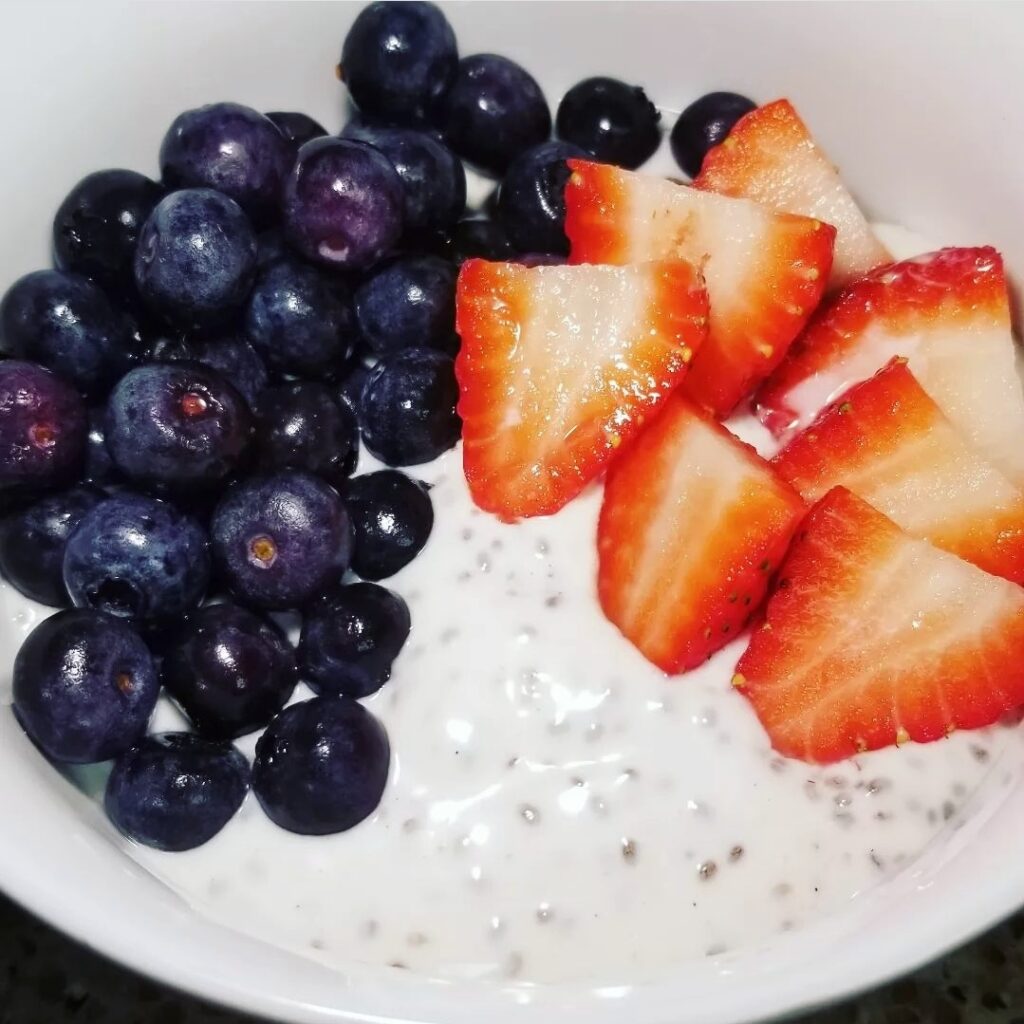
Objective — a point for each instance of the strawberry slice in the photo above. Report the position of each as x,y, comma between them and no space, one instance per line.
770,156
889,443
948,313
765,271
694,522
560,366
873,638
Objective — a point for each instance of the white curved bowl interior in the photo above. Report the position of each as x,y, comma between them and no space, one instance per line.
917,104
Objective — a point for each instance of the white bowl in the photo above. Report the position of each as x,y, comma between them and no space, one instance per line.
919,105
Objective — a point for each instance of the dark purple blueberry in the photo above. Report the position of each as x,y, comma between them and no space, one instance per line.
43,428
67,323
477,238
344,204
32,543
350,637
407,408
612,121
231,148
303,425
137,558
196,258
432,176
279,539
98,224
408,302
297,128
230,670
177,425
392,516
300,319
531,204
99,469
350,388
494,111
399,60
175,791
321,766
231,356
704,124
84,686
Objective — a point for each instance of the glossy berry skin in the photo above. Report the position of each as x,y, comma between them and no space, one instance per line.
137,558
32,543
67,323
303,425
531,204
350,637
84,686
350,389
479,238
98,224
612,121
230,670
196,258
408,302
494,111
99,469
176,425
433,178
175,791
399,60
344,205
407,408
300,319
704,124
43,429
231,356
231,148
321,766
296,127
280,538
392,516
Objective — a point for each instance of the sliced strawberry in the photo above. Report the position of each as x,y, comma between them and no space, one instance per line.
889,443
770,156
560,366
872,638
692,527
948,313
765,271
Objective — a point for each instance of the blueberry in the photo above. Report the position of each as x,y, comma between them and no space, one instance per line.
614,122
433,178
231,356
399,60
407,408
67,323
32,543
350,389
279,539
300,319
532,199
230,148
392,517
230,670
84,686
343,203
176,425
99,469
304,425
350,637
408,302
494,111
321,766
297,128
196,258
175,791
139,558
479,238
43,428
704,124
97,225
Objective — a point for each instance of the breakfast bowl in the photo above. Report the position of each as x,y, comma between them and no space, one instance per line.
566,833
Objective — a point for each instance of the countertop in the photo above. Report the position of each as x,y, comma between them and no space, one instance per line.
46,978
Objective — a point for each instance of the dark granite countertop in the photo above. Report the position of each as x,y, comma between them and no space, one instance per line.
46,978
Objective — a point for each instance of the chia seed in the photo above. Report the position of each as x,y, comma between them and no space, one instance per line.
706,870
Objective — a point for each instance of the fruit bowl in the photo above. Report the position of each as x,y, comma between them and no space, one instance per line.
113,77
